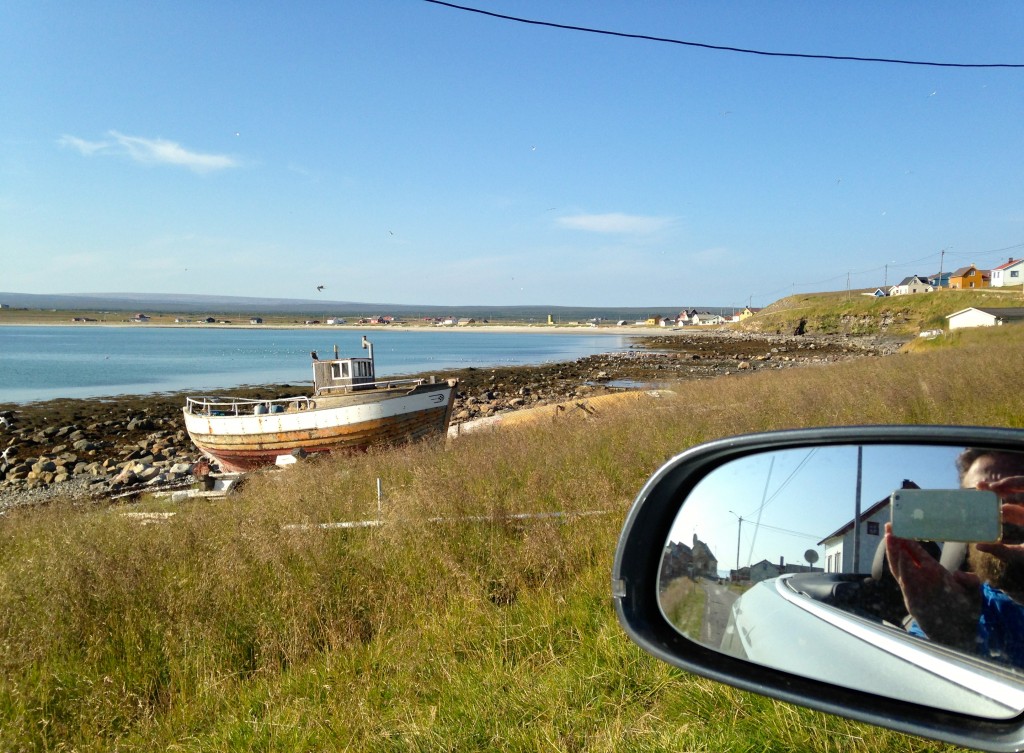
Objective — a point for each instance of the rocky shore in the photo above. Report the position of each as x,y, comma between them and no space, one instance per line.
98,449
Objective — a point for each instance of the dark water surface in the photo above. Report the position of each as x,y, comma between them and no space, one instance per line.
46,362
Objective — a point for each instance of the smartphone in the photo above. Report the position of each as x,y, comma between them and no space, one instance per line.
946,515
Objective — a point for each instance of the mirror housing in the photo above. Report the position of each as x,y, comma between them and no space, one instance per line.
638,558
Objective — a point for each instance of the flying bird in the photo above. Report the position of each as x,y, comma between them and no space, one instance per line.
319,288
6,454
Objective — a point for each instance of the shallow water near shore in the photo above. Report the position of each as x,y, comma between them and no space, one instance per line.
43,363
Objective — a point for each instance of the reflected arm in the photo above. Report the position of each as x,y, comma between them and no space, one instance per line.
945,605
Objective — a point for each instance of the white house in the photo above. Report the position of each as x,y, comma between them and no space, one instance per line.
706,317
911,285
1011,273
987,317
839,545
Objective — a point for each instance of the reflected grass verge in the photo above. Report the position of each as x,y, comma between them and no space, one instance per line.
451,626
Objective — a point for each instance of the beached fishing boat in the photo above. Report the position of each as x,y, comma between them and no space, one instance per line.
348,410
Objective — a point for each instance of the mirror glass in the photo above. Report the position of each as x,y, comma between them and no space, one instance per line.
782,558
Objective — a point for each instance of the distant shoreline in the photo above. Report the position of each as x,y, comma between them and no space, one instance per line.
540,329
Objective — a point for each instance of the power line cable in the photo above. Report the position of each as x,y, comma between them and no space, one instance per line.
721,48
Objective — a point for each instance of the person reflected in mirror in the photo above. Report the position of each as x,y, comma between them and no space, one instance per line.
981,609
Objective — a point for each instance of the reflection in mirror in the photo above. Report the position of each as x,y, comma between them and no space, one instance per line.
892,569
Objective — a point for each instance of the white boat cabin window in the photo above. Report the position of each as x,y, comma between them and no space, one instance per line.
351,368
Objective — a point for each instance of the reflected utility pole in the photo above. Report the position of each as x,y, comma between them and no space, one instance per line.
856,512
739,532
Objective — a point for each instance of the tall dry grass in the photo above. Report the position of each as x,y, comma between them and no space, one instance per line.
449,627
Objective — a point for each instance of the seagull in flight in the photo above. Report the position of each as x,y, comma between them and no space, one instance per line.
319,288
6,454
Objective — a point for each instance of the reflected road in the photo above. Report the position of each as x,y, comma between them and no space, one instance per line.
717,604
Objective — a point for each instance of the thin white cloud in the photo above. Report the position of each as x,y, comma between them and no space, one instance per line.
87,148
615,222
151,152
163,152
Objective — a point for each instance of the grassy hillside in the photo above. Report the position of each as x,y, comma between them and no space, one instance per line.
222,629
856,314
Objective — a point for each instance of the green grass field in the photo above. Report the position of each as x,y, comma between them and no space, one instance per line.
855,314
224,630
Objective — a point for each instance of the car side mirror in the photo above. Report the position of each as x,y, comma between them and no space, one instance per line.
874,572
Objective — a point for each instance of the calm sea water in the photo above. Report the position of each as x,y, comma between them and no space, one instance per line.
43,363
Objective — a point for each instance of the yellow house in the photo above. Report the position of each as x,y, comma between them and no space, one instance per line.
967,278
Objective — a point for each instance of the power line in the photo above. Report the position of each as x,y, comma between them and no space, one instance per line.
721,48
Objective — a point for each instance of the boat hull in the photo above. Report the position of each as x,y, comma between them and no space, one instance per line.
351,423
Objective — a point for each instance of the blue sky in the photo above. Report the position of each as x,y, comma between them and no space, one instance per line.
397,151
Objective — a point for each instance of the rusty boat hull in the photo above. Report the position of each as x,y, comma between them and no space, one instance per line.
242,435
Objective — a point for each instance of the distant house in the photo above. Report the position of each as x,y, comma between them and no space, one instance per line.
209,320
335,320
140,318
181,320
5,305
694,561
967,278
706,318
876,293
762,570
465,321
911,285
939,279
256,320
682,318
1011,273
738,316
654,321
984,317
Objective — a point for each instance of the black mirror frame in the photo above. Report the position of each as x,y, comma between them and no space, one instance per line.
638,560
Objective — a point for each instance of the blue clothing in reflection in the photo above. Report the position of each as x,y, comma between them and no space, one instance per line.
1000,627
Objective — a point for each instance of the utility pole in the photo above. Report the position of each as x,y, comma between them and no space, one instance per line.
856,511
739,532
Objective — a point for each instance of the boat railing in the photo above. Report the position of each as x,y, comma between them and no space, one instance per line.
237,406
382,384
